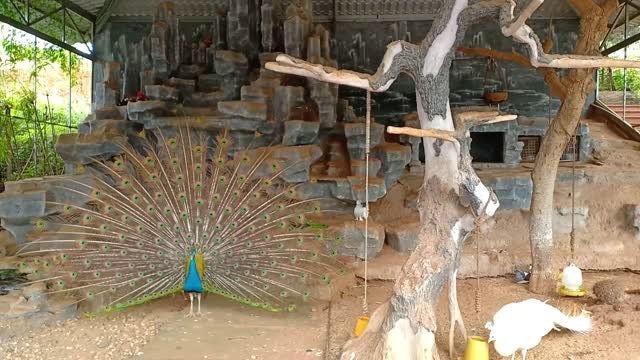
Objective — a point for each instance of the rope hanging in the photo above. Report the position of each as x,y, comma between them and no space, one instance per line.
365,306
572,240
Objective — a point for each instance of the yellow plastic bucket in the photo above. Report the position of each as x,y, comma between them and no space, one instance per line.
477,349
361,325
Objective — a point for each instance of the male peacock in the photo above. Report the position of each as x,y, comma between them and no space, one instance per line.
241,231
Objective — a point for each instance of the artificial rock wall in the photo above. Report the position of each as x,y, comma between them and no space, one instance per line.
211,76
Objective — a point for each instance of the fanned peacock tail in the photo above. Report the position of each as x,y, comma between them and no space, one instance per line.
128,244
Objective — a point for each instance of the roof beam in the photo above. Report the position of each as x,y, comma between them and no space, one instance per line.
104,14
78,10
43,36
621,45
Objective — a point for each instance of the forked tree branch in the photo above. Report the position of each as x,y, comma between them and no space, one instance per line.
521,32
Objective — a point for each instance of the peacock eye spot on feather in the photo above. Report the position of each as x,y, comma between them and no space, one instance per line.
303,276
126,183
122,237
306,294
108,264
280,246
68,208
90,294
265,287
74,274
281,224
263,253
179,178
106,247
65,257
216,197
266,183
97,193
173,142
132,283
282,275
283,293
88,218
140,244
251,228
198,221
211,215
97,274
313,254
273,263
245,159
222,180
182,197
151,209
61,284
150,161
141,228
325,279
293,258
125,218
184,215
267,237
248,244
83,243
241,179
105,227
109,208
88,262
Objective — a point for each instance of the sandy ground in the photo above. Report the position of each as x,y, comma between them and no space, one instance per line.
227,330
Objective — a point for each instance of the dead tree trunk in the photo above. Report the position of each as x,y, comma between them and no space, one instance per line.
452,196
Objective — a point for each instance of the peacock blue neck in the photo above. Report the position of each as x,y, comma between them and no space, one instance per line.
193,280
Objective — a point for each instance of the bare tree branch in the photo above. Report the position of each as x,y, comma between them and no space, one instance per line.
522,33
396,59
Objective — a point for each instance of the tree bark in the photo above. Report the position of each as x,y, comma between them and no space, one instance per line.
579,83
544,275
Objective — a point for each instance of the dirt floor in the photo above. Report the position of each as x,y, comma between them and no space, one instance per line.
227,330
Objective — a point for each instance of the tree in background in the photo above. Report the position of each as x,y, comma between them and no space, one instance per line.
572,89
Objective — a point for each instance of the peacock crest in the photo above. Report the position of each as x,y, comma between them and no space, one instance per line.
149,210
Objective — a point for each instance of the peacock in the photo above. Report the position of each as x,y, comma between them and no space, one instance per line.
184,211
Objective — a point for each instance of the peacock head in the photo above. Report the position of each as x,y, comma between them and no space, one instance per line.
193,251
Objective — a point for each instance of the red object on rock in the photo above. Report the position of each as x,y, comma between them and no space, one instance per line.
140,96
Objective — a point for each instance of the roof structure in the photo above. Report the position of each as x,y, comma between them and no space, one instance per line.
82,17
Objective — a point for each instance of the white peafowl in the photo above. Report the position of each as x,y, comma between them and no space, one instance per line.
239,229
521,325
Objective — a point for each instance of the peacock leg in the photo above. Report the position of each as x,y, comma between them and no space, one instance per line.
191,305
524,354
199,296
513,356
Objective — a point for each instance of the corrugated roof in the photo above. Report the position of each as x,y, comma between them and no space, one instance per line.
92,6
323,9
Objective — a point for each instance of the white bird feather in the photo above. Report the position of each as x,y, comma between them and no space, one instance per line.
521,325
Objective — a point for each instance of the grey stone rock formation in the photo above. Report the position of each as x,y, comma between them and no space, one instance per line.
299,132
403,237
353,244
356,140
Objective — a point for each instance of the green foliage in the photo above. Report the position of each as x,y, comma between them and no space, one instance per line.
614,81
27,134
17,46
29,128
